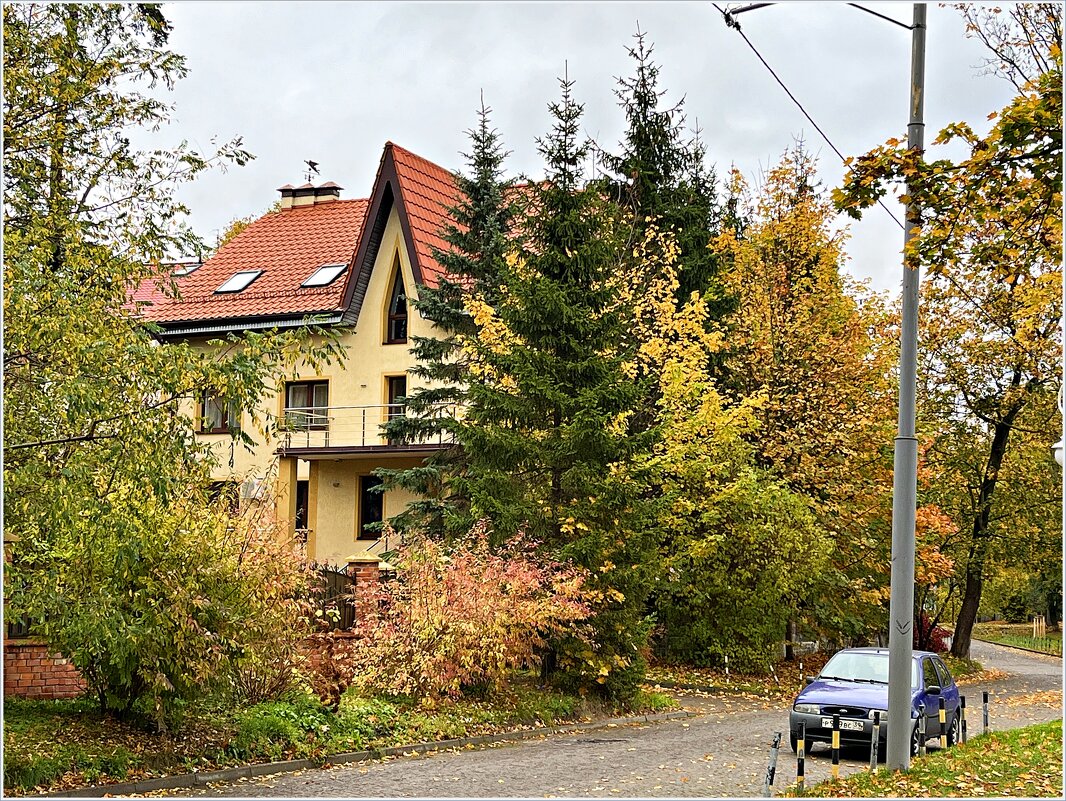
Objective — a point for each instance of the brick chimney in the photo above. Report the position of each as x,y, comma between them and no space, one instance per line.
308,194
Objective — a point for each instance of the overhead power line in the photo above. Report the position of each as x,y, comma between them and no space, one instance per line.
795,100
903,25
732,23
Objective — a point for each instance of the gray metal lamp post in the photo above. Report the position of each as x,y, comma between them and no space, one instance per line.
905,467
1057,448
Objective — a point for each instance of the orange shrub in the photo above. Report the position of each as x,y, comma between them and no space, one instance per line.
462,615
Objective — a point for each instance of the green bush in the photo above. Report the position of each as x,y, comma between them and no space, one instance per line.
735,577
168,604
26,771
266,734
281,728
653,702
545,708
1016,609
367,717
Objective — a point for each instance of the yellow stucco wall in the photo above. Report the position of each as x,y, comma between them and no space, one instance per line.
360,380
334,514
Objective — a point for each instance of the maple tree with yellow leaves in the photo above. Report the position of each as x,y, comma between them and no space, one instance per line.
991,245
816,348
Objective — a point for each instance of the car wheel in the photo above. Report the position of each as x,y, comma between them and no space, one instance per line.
915,742
794,742
953,731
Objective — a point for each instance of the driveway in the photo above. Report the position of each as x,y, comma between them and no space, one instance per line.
723,752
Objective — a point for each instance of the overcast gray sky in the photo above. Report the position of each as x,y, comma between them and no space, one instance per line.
333,81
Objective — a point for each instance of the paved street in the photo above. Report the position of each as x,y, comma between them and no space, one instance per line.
721,753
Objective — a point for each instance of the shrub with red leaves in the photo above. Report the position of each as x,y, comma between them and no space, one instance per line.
930,637
465,615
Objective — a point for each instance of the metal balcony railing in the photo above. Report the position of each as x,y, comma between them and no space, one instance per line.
350,426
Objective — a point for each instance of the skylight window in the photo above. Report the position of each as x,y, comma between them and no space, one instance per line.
325,275
239,281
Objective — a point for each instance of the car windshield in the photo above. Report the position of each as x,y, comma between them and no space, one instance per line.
862,667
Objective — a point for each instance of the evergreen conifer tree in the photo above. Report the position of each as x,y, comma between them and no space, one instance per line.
478,232
662,178
546,422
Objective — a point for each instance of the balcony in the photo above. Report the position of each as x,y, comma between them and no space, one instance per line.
320,431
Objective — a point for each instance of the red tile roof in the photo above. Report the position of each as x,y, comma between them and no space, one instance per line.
288,246
427,191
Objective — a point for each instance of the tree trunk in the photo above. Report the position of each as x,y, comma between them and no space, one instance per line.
1054,607
971,601
975,567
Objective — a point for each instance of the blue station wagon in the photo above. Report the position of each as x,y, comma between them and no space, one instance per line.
854,683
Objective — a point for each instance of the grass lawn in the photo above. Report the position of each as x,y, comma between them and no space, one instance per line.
53,745
1024,763
784,681
1020,634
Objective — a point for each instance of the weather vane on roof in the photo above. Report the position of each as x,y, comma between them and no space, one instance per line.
312,169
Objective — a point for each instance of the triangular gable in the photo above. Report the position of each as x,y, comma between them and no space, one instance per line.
422,193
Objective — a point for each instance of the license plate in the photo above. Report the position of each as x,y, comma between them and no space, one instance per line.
845,725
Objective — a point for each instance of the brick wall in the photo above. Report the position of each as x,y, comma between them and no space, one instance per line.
31,672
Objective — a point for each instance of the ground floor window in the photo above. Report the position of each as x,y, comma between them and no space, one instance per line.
226,494
371,506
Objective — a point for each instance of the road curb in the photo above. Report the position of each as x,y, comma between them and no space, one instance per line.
704,688
678,685
205,777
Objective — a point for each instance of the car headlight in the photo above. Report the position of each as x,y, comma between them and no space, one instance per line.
884,714
809,709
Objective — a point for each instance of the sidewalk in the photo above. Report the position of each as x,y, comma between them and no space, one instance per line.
203,778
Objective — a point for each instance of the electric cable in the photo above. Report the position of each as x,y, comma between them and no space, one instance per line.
799,105
732,23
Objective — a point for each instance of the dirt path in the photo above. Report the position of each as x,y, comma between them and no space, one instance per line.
721,753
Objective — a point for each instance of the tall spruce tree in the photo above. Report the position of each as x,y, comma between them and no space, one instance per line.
662,178
479,234
546,422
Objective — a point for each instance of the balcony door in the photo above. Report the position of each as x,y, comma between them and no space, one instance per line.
397,390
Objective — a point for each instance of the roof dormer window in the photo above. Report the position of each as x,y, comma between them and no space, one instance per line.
239,281
325,275
186,268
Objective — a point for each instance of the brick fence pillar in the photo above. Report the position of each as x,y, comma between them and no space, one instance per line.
364,568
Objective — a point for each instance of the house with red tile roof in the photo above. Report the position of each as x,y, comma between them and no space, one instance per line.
351,264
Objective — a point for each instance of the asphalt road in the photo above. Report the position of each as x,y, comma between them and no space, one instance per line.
723,752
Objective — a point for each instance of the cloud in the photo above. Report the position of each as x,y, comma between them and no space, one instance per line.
334,81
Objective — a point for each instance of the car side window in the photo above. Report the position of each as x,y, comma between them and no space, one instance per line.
929,673
943,673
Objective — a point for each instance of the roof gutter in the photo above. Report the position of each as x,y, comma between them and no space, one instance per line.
225,328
